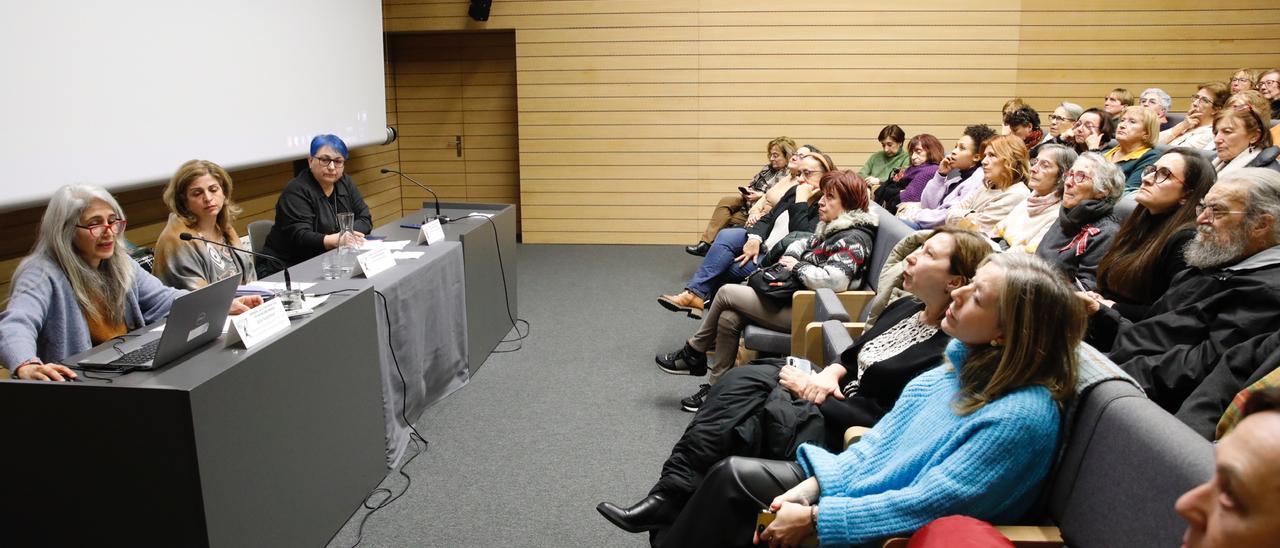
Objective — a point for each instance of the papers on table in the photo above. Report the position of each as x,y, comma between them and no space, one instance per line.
279,286
394,245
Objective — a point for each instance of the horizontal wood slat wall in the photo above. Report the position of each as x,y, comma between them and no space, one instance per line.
255,190
449,85
635,116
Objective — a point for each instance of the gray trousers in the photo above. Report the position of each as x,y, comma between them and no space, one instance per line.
734,308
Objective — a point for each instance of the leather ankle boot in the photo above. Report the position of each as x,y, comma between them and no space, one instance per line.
685,301
699,250
652,512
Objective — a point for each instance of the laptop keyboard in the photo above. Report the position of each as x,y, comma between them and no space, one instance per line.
142,355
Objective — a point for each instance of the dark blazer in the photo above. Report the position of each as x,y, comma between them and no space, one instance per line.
304,215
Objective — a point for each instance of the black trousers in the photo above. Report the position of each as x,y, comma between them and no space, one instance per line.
723,511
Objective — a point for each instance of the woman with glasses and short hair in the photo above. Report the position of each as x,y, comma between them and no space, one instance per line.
1136,135
1244,79
1060,122
79,288
308,208
200,204
1086,223
1147,250
1269,86
1196,130
734,210
1092,130
1242,139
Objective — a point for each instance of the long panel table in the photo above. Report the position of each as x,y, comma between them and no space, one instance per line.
273,446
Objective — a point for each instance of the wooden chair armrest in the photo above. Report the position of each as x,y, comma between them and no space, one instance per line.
812,349
854,434
802,313
1023,536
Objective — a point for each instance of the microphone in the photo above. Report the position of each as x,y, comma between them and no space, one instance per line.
288,287
439,217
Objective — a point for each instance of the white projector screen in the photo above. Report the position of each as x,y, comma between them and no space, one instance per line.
119,94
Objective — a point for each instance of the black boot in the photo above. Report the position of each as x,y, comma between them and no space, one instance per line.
699,250
652,512
685,361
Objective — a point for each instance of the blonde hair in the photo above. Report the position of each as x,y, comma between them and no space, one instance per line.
100,292
1039,347
1253,99
1150,123
1013,152
175,194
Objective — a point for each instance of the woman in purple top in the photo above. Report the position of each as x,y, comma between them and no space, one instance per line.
907,185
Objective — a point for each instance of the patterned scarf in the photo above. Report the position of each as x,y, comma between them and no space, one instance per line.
1040,204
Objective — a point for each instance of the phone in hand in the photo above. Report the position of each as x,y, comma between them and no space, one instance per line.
763,520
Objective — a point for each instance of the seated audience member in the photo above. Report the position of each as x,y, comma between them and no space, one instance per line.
975,435
958,175
1160,103
1024,124
200,204
1136,136
1242,140
1086,223
1246,100
1060,122
1269,381
891,156
1091,132
1115,102
779,189
308,207
1004,171
1008,108
736,252
79,288
833,257
1239,507
856,391
1229,295
732,210
1269,86
905,185
1196,130
1244,79
1147,251
1026,225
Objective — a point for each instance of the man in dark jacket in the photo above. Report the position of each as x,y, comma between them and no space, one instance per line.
1229,297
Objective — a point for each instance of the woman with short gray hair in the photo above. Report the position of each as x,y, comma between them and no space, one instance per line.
1086,223
79,288
1029,221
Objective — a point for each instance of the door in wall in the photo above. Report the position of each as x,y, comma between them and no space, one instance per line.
454,105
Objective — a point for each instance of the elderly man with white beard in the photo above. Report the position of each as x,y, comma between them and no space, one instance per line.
1198,341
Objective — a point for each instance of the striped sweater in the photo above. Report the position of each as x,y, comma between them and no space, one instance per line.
922,461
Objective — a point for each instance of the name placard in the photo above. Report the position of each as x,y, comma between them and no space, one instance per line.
430,233
370,263
258,324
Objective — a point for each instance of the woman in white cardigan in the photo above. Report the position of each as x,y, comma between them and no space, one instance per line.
1005,168
1022,230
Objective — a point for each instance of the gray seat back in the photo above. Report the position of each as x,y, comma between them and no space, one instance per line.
258,231
891,231
1125,464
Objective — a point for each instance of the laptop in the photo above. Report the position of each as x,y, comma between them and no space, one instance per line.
195,319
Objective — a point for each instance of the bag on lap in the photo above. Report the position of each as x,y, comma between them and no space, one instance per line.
775,282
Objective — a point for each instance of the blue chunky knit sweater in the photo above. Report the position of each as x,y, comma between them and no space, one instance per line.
922,461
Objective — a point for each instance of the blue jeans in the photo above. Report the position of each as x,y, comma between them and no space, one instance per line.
719,268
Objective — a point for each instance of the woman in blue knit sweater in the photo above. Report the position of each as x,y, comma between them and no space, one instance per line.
975,435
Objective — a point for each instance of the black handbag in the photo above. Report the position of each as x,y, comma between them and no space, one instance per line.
775,282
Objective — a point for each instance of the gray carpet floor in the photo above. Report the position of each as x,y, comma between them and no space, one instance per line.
522,454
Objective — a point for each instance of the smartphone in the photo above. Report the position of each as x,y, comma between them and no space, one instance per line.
743,190
763,520
802,364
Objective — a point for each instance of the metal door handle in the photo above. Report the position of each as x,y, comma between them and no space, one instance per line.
457,144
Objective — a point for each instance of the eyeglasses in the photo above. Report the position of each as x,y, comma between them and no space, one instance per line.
1196,99
1077,177
1240,80
1086,125
1159,175
1269,83
805,173
326,161
97,230
1217,212
1059,119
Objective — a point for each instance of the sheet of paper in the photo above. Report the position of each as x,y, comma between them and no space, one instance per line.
390,245
279,286
407,255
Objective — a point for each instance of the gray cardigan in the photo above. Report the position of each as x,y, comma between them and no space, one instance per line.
44,320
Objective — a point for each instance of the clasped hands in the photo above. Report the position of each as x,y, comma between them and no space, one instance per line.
815,388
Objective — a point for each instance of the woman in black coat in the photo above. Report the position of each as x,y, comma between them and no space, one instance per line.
1086,223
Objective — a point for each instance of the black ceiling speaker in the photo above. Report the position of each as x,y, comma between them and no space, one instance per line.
480,9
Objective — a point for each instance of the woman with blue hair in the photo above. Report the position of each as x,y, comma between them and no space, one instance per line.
308,208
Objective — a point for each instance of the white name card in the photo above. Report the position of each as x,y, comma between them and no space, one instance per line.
370,263
258,324
430,233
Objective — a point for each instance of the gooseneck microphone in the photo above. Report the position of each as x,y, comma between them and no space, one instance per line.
187,236
439,217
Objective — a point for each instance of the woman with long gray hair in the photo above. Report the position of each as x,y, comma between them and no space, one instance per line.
79,287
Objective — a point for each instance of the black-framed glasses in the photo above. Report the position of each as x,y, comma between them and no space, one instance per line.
1240,79
1216,211
1159,175
1059,119
1269,83
1201,99
96,230
327,161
